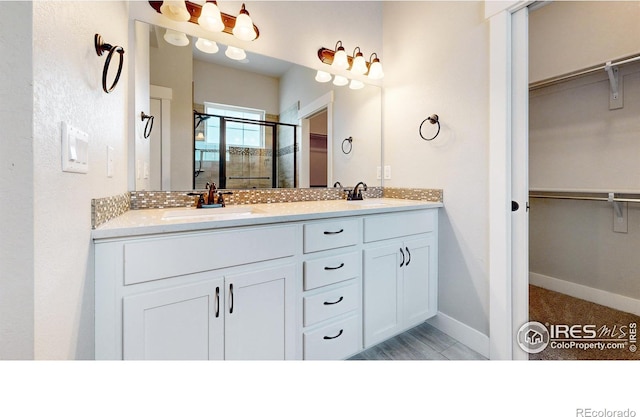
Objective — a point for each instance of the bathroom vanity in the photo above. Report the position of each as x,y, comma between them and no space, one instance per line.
304,280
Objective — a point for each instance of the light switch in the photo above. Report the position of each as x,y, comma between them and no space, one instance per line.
75,150
379,172
387,172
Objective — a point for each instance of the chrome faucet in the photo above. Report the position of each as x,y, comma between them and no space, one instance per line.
356,194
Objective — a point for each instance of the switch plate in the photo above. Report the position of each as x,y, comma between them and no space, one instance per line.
379,172
109,161
387,172
75,150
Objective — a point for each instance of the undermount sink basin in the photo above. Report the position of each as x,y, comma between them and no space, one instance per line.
366,203
212,213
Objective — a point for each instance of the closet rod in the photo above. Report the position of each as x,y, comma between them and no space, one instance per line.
579,73
584,197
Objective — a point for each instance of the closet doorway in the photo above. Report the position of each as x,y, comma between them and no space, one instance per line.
584,177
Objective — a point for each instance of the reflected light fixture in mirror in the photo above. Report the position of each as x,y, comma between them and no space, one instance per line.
323,76
175,10
176,38
356,85
207,46
235,53
339,80
210,18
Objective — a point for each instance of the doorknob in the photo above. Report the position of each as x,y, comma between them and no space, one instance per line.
515,206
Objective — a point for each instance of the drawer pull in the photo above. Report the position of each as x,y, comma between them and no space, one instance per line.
217,301
328,303
409,254
334,233
231,298
333,268
402,263
333,337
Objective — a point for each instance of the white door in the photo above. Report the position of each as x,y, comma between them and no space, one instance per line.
183,322
260,314
520,177
382,293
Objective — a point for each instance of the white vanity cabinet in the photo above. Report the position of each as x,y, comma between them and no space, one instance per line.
190,296
400,273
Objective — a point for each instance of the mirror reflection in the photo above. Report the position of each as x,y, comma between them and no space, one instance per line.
254,122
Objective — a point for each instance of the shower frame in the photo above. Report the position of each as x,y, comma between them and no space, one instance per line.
222,182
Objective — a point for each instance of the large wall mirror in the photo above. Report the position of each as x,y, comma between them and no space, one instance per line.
200,102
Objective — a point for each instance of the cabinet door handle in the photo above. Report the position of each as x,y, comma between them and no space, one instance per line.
333,268
328,303
334,337
402,263
334,233
409,254
217,301
231,298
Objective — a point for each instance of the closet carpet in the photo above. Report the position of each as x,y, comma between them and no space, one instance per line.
552,308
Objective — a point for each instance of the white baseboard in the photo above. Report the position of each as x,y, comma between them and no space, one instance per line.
463,333
608,299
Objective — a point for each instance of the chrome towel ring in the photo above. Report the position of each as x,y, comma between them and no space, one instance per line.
101,47
433,119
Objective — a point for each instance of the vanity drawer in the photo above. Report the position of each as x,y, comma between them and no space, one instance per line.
328,235
389,226
158,258
331,269
330,303
335,341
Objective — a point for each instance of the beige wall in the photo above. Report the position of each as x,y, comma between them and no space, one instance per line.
572,35
436,61
16,182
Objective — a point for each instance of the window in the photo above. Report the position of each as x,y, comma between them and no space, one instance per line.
238,133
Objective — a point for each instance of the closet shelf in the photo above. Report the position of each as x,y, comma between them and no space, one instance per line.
587,195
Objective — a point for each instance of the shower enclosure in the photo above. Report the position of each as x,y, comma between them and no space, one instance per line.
237,153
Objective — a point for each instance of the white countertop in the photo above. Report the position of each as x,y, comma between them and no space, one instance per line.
172,220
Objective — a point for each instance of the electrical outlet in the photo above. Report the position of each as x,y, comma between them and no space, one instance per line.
387,172
379,172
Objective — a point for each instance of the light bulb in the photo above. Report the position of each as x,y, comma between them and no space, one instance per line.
323,77
243,28
207,46
375,69
356,85
340,60
339,80
176,38
200,136
359,64
234,53
175,10
210,18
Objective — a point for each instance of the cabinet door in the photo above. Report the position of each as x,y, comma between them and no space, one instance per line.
260,314
419,284
382,293
183,322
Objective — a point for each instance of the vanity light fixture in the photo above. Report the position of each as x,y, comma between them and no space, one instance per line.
340,60
175,10
206,16
323,76
243,29
176,38
339,80
337,58
234,53
207,46
210,18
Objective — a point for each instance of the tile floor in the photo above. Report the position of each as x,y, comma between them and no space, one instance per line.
423,342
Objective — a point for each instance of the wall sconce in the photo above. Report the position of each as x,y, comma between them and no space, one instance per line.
339,59
176,38
234,53
209,17
207,46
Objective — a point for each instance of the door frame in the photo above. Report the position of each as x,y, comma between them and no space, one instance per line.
508,302
306,112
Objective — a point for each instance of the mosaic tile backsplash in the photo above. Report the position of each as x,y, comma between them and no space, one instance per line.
105,209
